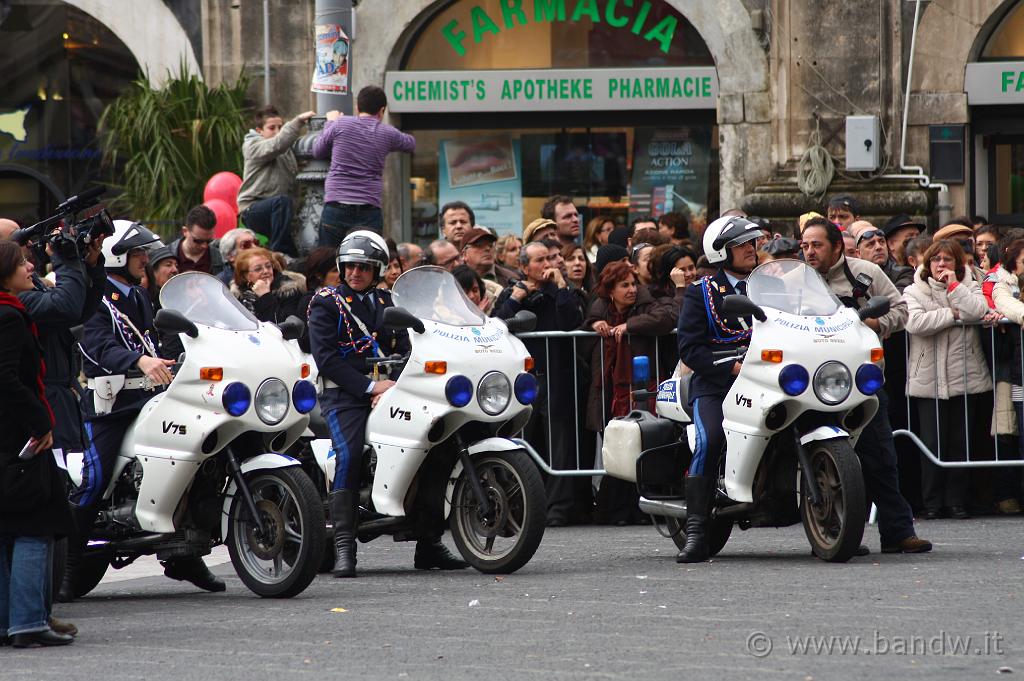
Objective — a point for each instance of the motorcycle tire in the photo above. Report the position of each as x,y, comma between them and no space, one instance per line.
91,570
834,529
285,562
507,540
719,531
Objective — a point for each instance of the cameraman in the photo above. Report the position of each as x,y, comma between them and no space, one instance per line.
55,309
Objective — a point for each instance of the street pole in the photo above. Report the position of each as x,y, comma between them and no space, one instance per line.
336,12
266,52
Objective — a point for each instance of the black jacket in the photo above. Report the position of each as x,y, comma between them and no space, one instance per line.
281,302
703,330
110,347
24,414
331,341
557,309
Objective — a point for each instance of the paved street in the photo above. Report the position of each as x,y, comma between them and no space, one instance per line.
596,602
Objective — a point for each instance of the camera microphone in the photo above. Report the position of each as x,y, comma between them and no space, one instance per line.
87,195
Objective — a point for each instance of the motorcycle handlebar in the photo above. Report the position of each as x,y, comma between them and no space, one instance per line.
733,353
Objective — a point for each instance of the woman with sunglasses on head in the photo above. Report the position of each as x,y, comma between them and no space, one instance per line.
269,292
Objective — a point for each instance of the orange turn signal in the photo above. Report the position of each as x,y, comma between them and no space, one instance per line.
435,367
529,364
211,374
877,354
773,356
304,371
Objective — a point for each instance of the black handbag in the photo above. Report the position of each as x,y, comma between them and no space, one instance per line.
25,484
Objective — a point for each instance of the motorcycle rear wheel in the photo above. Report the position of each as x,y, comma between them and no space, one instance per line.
285,561
508,539
834,529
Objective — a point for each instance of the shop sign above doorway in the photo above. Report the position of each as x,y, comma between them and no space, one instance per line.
693,87
997,82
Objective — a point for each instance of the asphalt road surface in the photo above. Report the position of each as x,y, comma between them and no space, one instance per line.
595,603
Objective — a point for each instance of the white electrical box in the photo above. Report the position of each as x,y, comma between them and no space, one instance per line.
863,143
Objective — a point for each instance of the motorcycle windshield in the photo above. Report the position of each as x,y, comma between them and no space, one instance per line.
791,286
205,300
432,294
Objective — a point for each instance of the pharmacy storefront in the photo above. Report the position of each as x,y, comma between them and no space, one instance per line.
612,102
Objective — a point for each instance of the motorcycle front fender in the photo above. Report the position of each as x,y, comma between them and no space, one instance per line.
261,462
824,433
490,444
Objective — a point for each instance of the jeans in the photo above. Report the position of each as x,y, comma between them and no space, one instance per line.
338,219
23,584
272,218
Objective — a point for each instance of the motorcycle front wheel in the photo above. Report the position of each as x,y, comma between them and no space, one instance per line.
836,527
505,540
282,562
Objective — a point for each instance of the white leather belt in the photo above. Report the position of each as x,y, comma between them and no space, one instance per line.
129,384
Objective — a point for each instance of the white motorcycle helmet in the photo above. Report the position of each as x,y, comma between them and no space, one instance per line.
725,233
366,247
127,235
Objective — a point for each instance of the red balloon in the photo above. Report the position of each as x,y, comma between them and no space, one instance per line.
223,186
227,217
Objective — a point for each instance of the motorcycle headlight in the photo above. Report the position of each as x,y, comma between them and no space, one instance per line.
236,398
832,382
793,379
493,393
272,401
304,396
526,388
869,379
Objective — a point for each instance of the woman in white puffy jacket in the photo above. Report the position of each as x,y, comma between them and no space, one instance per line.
946,368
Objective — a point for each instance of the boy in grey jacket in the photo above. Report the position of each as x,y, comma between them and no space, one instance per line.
270,168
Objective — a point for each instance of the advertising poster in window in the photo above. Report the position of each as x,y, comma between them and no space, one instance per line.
484,172
331,73
670,172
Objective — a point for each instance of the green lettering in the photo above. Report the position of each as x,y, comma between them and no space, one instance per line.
648,87
454,38
1007,79
687,90
638,90
548,10
613,19
588,89
662,88
482,24
641,17
512,8
705,86
613,86
410,89
517,87
435,91
588,7
481,91
421,90
506,91
1020,81
663,32
563,89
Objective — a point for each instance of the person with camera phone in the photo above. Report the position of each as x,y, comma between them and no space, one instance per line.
32,494
118,341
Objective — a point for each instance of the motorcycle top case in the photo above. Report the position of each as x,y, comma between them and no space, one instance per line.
627,437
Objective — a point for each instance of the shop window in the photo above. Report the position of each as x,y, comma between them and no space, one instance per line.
59,69
1007,41
556,34
1008,186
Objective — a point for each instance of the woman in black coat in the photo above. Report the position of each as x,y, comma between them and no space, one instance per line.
269,292
33,496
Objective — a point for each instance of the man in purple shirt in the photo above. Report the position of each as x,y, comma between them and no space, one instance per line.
357,146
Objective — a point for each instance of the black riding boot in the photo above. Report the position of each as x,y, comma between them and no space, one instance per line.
699,493
343,516
431,554
77,541
193,570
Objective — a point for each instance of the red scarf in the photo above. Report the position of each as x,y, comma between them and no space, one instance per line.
8,299
618,366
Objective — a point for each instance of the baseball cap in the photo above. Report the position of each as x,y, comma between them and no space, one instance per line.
533,227
476,234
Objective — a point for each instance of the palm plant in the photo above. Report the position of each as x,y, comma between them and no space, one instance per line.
161,146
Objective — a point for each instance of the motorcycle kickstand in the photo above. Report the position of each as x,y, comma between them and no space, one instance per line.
805,465
243,487
485,508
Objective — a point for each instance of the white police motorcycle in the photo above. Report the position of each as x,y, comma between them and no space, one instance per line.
805,390
198,468
440,442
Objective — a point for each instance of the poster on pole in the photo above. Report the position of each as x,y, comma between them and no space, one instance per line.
332,52
484,172
670,172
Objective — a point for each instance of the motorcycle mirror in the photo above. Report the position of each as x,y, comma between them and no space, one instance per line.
172,321
522,322
741,306
877,306
399,318
292,328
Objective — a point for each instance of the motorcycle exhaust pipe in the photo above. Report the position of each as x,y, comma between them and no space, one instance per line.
677,509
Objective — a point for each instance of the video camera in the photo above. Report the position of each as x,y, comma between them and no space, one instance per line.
73,237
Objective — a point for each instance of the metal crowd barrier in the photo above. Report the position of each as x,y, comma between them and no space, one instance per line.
579,402
991,363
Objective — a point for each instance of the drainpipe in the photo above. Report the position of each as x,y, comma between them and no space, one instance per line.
944,206
266,52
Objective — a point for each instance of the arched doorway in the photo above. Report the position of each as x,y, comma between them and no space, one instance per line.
577,98
59,69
